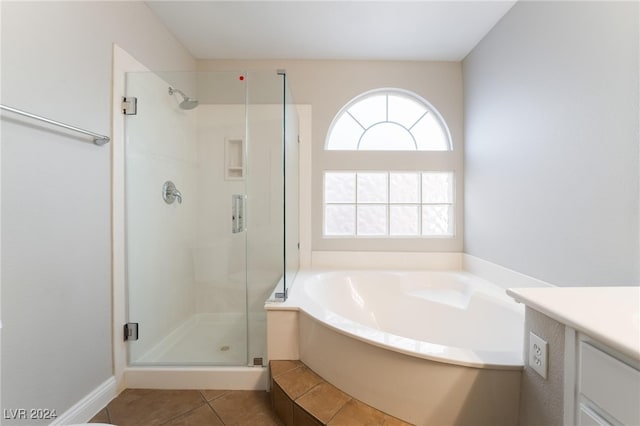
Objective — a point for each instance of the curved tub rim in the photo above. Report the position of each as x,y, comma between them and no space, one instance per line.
508,360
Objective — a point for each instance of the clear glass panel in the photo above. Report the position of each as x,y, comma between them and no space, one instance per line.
372,220
437,187
196,288
404,220
386,137
185,272
339,187
372,187
265,200
404,187
345,134
292,166
370,110
437,220
339,220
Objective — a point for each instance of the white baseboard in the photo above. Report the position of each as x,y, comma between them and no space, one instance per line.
90,405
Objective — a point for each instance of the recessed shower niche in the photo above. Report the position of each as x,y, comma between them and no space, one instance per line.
234,159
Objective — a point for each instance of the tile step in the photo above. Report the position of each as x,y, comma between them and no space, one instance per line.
300,397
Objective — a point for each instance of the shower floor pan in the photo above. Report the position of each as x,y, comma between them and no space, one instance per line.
208,351
209,339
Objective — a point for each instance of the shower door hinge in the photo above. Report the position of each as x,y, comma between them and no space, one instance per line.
129,105
131,331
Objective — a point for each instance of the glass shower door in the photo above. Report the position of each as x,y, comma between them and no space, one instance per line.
211,175
186,266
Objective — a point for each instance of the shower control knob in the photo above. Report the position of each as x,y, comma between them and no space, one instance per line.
170,193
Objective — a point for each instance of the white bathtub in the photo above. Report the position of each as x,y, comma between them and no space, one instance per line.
429,347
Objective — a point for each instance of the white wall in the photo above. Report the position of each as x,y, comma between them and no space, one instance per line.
328,85
551,154
56,259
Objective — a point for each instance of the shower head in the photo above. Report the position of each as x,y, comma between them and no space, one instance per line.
187,102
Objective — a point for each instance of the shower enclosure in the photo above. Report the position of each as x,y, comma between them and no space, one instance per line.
211,171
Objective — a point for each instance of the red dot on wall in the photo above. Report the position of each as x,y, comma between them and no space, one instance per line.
241,78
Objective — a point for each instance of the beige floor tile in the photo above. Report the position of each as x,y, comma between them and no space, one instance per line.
101,417
212,394
203,416
323,401
260,418
149,407
245,408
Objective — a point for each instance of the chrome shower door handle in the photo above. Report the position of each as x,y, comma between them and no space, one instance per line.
238,221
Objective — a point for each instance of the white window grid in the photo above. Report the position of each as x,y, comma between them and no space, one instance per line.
388,204
427,110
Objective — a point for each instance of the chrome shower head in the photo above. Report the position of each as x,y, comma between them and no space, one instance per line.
187,102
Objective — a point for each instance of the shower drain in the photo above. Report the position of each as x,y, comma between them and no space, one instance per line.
224,348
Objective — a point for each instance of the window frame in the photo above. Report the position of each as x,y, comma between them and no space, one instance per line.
388,204
393,161
430,109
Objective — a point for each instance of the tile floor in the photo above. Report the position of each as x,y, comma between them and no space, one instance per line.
150,407
300,397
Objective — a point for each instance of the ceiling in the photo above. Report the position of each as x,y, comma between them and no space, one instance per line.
372,30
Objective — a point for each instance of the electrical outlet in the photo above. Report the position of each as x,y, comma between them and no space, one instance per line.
538,354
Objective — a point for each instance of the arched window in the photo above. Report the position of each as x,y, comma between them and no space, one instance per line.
386,202
388,120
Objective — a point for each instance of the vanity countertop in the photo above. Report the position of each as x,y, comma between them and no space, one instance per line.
608,314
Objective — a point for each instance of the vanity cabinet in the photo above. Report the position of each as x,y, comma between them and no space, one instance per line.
601,353
605,387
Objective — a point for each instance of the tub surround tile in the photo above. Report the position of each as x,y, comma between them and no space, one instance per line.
302,418
318,402
356,412
298,381
281,367
323,401
282,404
392,421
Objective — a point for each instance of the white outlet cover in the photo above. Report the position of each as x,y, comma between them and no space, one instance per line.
538,354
